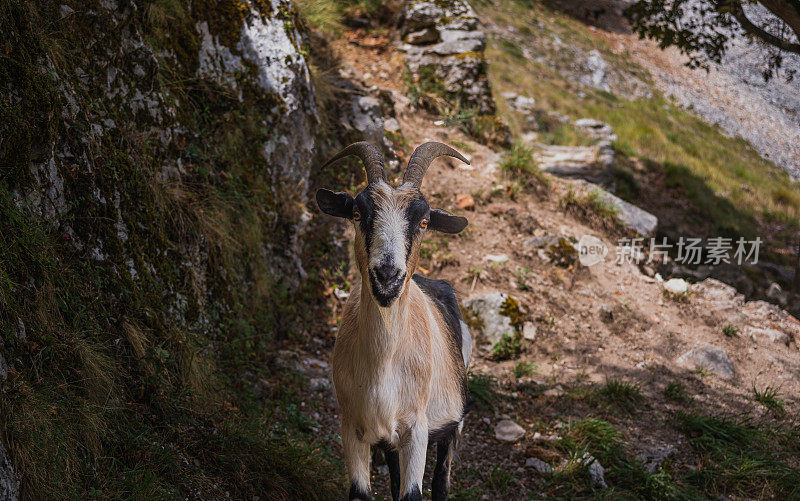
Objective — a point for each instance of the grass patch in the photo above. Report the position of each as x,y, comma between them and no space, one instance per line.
742,458
676,392
678,297
519,164
730,330
625,474
523,369
621,393
770,397
323,16
483,389
509,346
591,208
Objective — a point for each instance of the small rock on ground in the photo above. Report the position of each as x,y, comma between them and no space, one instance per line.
708,357
508,431
597,474
676,285
539,466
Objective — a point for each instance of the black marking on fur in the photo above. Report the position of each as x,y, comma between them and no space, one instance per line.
416,211
357,493
393,462
444,297
336,204
366,206
413,494
445,432
441,473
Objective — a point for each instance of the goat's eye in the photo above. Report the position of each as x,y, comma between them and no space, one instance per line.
356,215
423,224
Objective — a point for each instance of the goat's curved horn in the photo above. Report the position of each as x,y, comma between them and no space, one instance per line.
422,158
368,153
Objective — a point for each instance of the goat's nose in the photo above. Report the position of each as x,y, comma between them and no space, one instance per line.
386,273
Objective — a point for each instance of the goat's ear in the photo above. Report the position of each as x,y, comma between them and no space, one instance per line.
336,204
445,222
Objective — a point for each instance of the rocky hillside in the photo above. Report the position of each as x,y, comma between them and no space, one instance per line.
169,297
155,171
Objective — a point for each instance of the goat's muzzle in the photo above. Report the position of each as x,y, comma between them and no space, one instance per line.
387,283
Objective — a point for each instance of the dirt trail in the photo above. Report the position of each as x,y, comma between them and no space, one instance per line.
609,321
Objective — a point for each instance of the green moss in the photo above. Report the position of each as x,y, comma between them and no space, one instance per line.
511,309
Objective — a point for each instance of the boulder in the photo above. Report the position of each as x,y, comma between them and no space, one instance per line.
591,163
628,215
717,294
593,71
767,335
523,104
443,42
508,431
595,129
366,117
487,308
556,248
708,357
761,314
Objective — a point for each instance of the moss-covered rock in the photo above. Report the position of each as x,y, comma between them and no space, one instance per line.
154,166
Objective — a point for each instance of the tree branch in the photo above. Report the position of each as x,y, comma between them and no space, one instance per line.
748,26
787,11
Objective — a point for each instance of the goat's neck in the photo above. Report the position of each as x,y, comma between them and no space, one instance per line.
383,327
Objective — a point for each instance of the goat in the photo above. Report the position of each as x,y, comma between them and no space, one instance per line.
401,355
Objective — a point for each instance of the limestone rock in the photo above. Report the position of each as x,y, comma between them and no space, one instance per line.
718,295
767,335
366,117
591,163
508,431
676,285
556,248
9,483
629,215
529,331
708,357
457,56
496,258
487,309
539,466
596,129
424,36
597,474
523,104
654,457
593,71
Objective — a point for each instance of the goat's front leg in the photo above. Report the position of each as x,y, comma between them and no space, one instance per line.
412,461
356,457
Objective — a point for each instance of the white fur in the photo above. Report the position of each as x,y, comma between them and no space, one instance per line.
466,344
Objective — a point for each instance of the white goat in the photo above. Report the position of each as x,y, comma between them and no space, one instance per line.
400,359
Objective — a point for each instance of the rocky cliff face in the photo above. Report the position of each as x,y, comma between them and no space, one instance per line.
155,163
444,41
